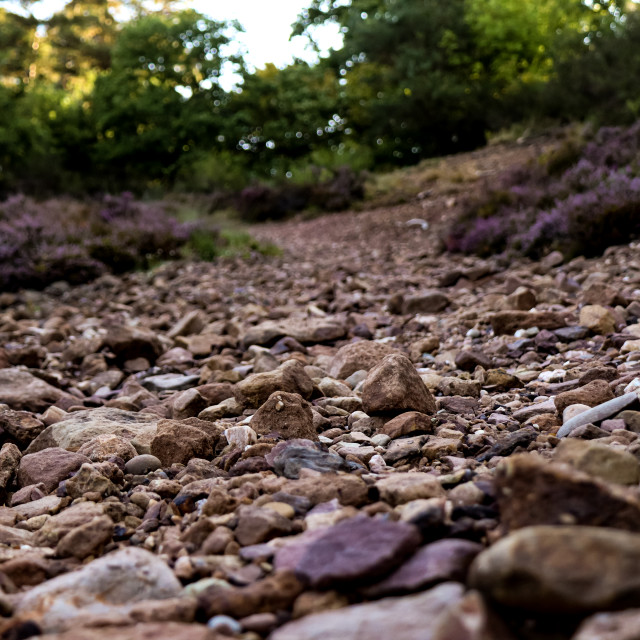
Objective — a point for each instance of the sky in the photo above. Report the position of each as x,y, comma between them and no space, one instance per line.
267,27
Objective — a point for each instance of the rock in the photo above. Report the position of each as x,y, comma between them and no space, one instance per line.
22,426
394,386
407,423
241,436
622,625
82,426
572,411
441,613
508,322
289,458
597,318
23,391
140,631
179,442
193,322
187,404
469,360
540,408
522,299
105,586
358,356
356,549
9,460
601,461
86,539
425,302
108,445
257,525
591,394
304,330
40,506
128,343
440,561
170,382
275,593
571,579
401,488
451,386
290,377
532,491
15,537
509,442
141,465
423,346
49,467
228,408
348,490
89,480
598,413
59,525
287,414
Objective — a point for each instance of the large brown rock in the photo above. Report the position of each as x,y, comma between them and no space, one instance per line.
128,343
561,569
178,442
533,491
358,356
82,426
591,394
304,330
289,377
597,318
407,423
395,386
508,322
287,414
23,391
21,426
49,467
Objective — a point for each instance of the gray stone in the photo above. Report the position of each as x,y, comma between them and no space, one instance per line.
599,413
288,458
141,465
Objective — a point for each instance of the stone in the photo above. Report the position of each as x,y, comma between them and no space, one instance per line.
228,408
128,343
598,413
82,426
275,593
572,411
170,382
49,467
9,460
21,426
441,561
178,442
425,302
108,445
597,318
15,537
401,488
522,299
87,539
451,386
348,490
140,631
287,414
290,377
105,586
423,346
532,410
469,360
40,506
187,404
438,614
591,394
631,420
620,625
395,386
509,442
289,458
356,549
23,391
362,355
531,491
601,461
256,525
241,436
571,577
406,424
508,322
141,465
89,480
60,524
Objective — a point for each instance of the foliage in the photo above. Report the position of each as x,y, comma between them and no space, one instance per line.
579,206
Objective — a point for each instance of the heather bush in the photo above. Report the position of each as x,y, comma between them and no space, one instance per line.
580,200
41,243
